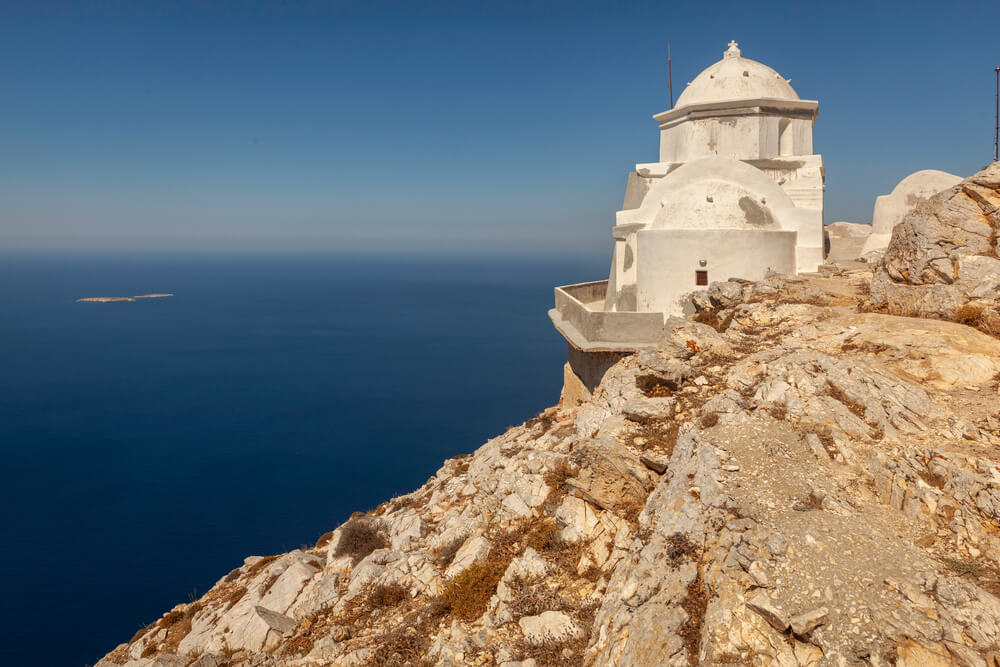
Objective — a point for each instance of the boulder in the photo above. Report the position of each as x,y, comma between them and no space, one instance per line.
890,209
944,253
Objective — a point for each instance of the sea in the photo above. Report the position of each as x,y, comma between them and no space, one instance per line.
148,447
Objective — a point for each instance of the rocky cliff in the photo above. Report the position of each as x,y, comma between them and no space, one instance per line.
788,481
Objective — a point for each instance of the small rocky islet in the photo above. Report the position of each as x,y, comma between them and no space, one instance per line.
804,472
116,299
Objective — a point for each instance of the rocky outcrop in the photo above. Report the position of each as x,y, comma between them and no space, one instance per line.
944,257
788,482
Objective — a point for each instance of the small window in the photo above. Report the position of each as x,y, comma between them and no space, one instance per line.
701,277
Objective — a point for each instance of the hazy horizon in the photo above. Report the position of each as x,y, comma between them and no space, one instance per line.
453,127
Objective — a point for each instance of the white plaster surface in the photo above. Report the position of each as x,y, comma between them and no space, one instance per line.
670,259
736,78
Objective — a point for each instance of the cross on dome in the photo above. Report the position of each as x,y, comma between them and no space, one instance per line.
733,51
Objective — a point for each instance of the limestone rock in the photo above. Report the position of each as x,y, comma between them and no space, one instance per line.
944,251
804,623
472,551
548,626
774,615
610,476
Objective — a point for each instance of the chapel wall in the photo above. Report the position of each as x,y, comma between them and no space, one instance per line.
669,260
749,137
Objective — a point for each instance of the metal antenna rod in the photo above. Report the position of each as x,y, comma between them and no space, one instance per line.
670,77
996,129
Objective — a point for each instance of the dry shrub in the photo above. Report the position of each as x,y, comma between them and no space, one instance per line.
388,595
462,462
532,598
406,645
468,593
177,624
658,391
359,537
934,479
679,549
323,540
659,436
969,315
865,346
544,537
779,412
555,478
417,499
695,605
985,574
119,656
710,420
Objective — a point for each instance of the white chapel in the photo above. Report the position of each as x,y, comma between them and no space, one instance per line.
737,191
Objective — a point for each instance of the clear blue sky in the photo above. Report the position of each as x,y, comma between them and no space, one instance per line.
299,125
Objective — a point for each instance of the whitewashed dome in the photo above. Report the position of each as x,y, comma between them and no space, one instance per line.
736,78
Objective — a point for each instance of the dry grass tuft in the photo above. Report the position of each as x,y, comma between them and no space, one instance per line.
555,478
660,437
360,536
544,537
679,549
388,595
235,596
260,565
177,623
468,593
407,643
695,605
934,479
969,315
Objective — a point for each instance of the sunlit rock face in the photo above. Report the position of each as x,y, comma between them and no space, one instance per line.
890,209
737,192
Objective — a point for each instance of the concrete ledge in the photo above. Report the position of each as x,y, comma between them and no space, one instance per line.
578,341
580,317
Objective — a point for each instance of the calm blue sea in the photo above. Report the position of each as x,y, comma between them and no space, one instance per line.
146,448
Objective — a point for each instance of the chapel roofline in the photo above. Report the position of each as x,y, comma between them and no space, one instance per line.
739,107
